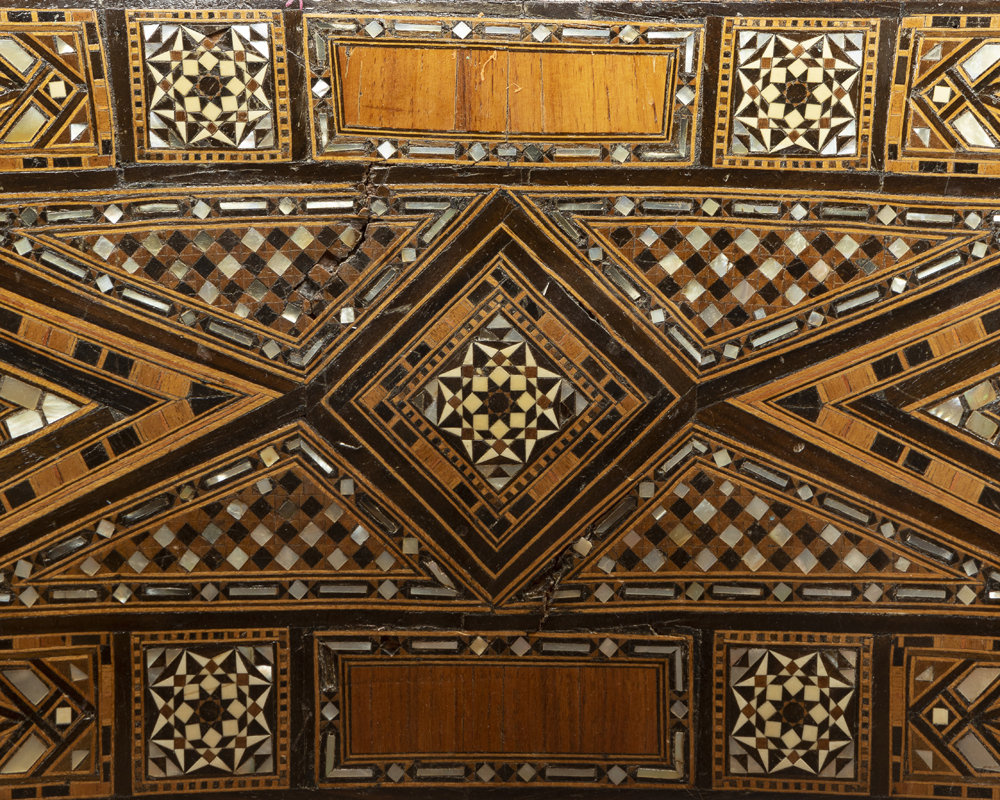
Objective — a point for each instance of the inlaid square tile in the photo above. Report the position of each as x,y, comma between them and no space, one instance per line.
792,712
796,93
940,115
210,710
56,709
209,85
54,106
944,706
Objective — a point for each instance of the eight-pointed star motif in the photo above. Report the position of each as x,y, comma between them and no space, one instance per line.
210,86
792,710
500,402
211,711
799,93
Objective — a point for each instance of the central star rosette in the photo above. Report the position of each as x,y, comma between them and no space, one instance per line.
500,402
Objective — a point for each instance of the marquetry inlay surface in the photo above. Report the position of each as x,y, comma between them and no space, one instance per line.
499,398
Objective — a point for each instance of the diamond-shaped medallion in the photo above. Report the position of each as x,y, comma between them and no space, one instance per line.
501,401
504,400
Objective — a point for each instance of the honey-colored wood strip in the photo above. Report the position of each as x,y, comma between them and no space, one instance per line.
501,91
481,89
398,87
526,73
600,93
481,709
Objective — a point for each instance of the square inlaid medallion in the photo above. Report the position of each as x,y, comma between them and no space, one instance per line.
796,93
209,85
792,712
210,710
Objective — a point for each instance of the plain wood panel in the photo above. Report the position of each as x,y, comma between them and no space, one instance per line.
542,710
497,91
501,708
398,87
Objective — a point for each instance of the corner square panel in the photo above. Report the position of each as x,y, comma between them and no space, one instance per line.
944,710
209,86
56,713
56,112
796,93
504,410
939,118
210,710
792,711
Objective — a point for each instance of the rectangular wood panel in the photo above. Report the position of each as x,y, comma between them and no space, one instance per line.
440,708
434,89
420,708
490,90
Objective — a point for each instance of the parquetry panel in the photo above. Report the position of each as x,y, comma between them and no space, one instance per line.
727,277
499,423
56,704
920,407
941,117
210,710
209,86
712,525
278,277
80,408
282,521
502,722
498,90
54,106
792,712
944,716
796,93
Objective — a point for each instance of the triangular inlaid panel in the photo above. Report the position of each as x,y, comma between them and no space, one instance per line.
282,522
713,525
725,277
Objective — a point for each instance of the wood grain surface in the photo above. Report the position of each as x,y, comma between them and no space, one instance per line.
503,711
498,91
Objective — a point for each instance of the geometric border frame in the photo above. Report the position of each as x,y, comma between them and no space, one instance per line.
279,779
721,699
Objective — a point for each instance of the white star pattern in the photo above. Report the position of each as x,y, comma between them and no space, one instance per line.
793,712
797,93
212,711
500,402
210,86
